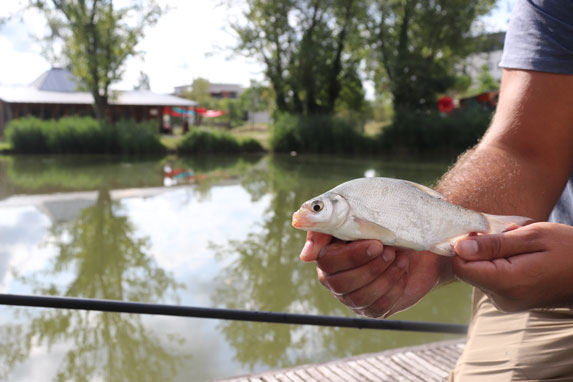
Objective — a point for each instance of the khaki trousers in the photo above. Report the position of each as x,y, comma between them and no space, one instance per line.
536,345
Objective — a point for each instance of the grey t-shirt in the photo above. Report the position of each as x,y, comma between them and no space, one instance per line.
540,38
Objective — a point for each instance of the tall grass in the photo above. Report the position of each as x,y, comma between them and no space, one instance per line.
318,134
207,141
82,135
412,131
430,131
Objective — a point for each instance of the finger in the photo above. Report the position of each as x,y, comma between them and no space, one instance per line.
391,302
502,245
315,241
353,279
341,256
369,294
486,275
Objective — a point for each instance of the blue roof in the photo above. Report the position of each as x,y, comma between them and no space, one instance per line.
57,80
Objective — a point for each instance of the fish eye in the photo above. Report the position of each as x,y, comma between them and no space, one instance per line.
317,206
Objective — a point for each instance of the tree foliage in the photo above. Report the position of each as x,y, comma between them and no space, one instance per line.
415,44
315,51
305,47
97,39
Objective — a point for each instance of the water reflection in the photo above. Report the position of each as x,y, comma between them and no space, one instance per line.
103,239
99,256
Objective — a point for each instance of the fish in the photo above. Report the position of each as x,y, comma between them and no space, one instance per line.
397,212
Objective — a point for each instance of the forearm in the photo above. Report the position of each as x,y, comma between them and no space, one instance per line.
495,180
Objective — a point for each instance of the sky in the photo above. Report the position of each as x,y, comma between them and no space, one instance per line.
190,41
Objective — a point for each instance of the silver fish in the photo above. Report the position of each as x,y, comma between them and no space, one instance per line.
397,212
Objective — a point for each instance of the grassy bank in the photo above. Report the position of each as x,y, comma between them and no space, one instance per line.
203,141
82,135
411,132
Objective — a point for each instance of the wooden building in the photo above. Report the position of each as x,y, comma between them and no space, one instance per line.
54,95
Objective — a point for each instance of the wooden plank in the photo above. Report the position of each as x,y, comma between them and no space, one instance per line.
331,377
315,373
422,363
355,365
293,377
269,378
338,369
305,376
419,366
395,370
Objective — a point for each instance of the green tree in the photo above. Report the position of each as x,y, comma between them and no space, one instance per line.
308,49
200,93
97,39
415,44
143,82
256,98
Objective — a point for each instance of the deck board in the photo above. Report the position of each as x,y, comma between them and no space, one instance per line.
422,363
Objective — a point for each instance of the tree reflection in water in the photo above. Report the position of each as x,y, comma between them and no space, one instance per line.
103,258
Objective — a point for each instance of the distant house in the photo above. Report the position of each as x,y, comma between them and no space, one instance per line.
55,94
215,90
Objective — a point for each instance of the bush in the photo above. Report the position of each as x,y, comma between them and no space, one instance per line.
251,145
317,134
427,131
132,138
204,141
82,135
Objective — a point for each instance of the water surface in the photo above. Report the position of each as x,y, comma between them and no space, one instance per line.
215,233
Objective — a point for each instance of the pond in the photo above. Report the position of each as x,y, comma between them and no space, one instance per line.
209,232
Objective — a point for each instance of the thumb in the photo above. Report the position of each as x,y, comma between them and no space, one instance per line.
499,245
315,241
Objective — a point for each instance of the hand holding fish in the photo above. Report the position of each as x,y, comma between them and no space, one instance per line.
371,279
529,267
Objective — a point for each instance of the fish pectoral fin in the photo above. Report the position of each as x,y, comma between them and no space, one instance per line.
444,248
428,190
372,230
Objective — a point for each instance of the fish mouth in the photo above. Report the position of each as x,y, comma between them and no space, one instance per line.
299,220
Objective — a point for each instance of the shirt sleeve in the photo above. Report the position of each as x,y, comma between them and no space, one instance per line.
540,36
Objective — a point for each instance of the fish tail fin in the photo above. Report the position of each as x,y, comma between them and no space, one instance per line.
500,223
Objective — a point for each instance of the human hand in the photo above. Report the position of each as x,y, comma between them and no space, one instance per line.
529,267
371,279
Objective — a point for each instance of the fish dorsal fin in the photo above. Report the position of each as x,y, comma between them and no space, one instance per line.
428,190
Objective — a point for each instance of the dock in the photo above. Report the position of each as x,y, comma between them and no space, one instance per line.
421,363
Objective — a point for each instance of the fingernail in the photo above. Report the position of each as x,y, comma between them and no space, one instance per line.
374,249
468,247
402,263
388,255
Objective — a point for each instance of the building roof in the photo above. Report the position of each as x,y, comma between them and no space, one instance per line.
53,87
57,80
220,88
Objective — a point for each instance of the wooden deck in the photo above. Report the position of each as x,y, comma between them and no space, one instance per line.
423,363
